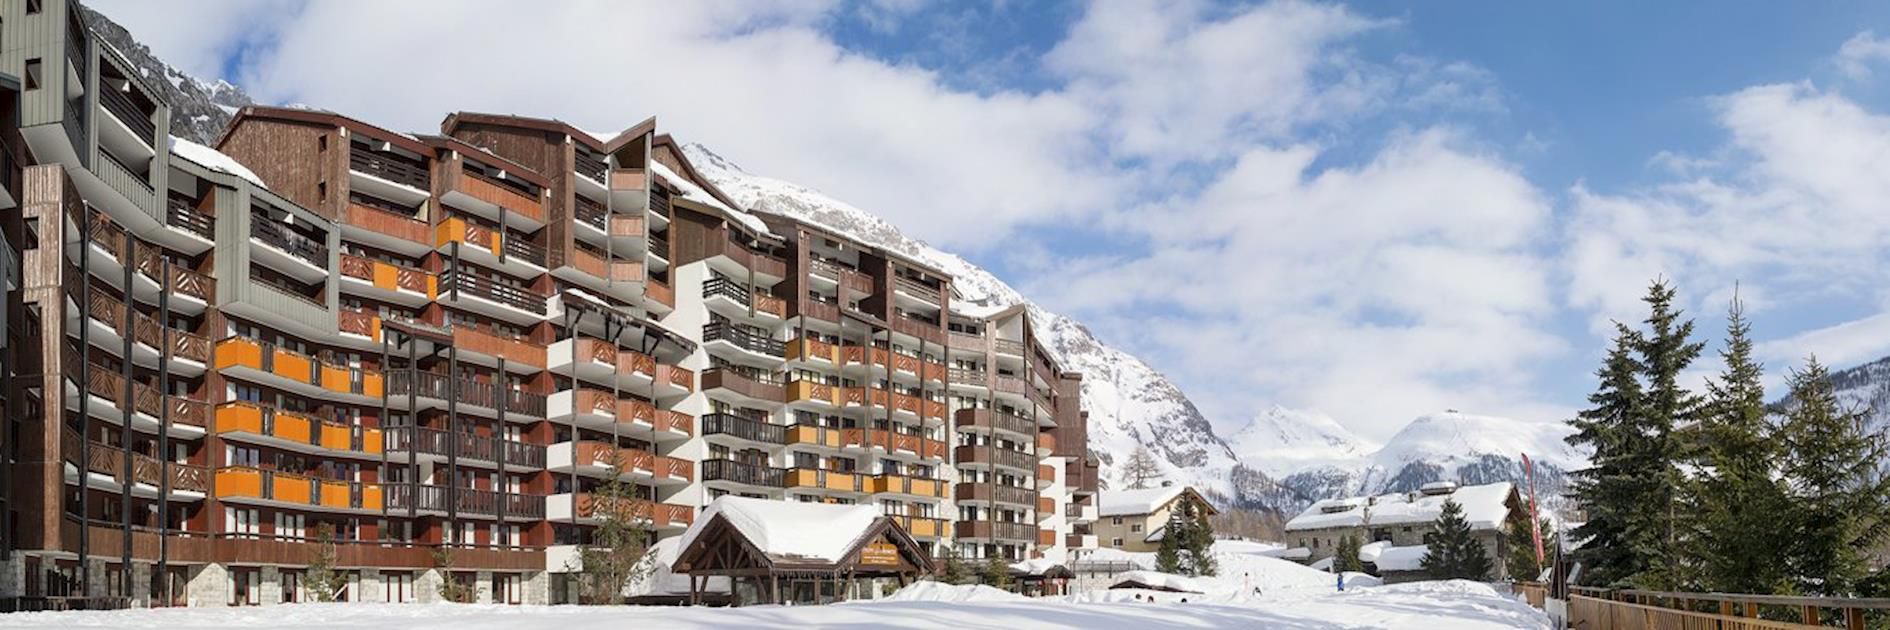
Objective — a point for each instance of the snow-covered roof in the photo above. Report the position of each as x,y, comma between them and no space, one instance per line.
1291,553
212,159
1131,502
790,530
1369,552
699,195
1485,507
1036,566
660,581
979,311
1401,558
1323,564
1159,581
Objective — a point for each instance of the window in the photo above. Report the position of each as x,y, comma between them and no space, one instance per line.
245,586
242,523
1115,542
32,74
292,586
1135,528
1115,520
33,7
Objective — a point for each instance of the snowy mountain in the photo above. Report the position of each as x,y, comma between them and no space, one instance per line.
199,110
1283,441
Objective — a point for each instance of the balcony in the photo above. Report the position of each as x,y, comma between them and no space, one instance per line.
989,493
1007,346
588,508
1046,475
904,485
398,284
820,394
757,346
438,444
600,459
243,484
814,350
611,271
826,480
518,202
590,166
763,390
745,474
136,121
385,228
470,394
516,304
823,311
659,293
731,299
488,347
735,260
306,258
733,426
969,377
836,275
125,181
1046,444
629,189
433,499
967,342
391,168
986,419
988,456
989,530
179,214
925,293
929,332
263,362
109,460
506,251
815,435
294,431
923,527
189,352
1081,541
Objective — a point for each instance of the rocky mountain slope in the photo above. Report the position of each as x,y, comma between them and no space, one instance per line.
1282,462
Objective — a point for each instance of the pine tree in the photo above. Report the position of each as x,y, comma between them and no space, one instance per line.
1168,555
953,570
1198,538
1832,469
997,573
1454,553
1346,558
615,555
1654,527
1140,468
1607,491
1738,499
322,580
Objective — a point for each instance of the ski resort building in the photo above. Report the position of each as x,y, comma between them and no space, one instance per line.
1135,520
437,347
1404,520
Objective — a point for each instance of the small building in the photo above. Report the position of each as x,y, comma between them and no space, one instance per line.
791,552
1041,578
1404,520
1133,520
1158,581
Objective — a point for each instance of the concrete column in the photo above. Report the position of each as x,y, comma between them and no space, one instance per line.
373,589
271,589
426,586
482,588
209,586
536,588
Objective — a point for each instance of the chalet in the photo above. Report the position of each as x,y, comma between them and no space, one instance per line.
1404,520
1133,520
778,552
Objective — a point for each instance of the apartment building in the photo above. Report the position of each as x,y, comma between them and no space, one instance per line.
436,347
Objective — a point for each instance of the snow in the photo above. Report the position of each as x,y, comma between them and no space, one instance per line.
1159,581
1133,502
212,159
1034,566
1485,507
1402,558
1283,441
1369,552
790,529
930,591
700,195
1419,606
661,581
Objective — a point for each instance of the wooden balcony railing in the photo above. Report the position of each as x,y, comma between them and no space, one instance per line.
917,289
393,224
515,201
661,293
474,447
901,484
279,236
722,331
179,214
989,492
759,388
929,331
822,479
613,270
119,105
516,297
995,530
1006,346
272,485
738,472
968,454
808,349
513,349
108,460
389,277
990,419
924,527
744,428
301,428
392,168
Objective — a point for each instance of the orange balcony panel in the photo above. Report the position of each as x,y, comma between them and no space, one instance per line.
293,366
292,489
660,293
238,351
802,478
842,481
801,434
810,391
1046,537
457,229
371,496
1046,471
239,416
1046,442
804,349
238,482
1045,505
334,494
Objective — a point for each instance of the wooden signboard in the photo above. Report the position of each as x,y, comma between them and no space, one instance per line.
880,553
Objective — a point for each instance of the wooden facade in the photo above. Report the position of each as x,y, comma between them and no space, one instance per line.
720,549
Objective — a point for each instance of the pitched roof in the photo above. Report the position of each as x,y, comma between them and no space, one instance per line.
1143,501
790,530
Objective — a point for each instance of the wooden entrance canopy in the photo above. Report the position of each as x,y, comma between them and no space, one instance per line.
719,546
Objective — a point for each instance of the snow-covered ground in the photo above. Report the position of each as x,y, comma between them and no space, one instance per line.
1289,596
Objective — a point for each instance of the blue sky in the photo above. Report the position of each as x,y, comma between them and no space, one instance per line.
1373,211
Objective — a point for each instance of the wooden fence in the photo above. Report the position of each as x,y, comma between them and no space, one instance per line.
1603,609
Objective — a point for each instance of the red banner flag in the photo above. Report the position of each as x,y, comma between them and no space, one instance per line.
1535,528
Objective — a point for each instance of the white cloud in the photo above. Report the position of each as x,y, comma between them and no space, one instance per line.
1847,343
1376,292
1855,57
